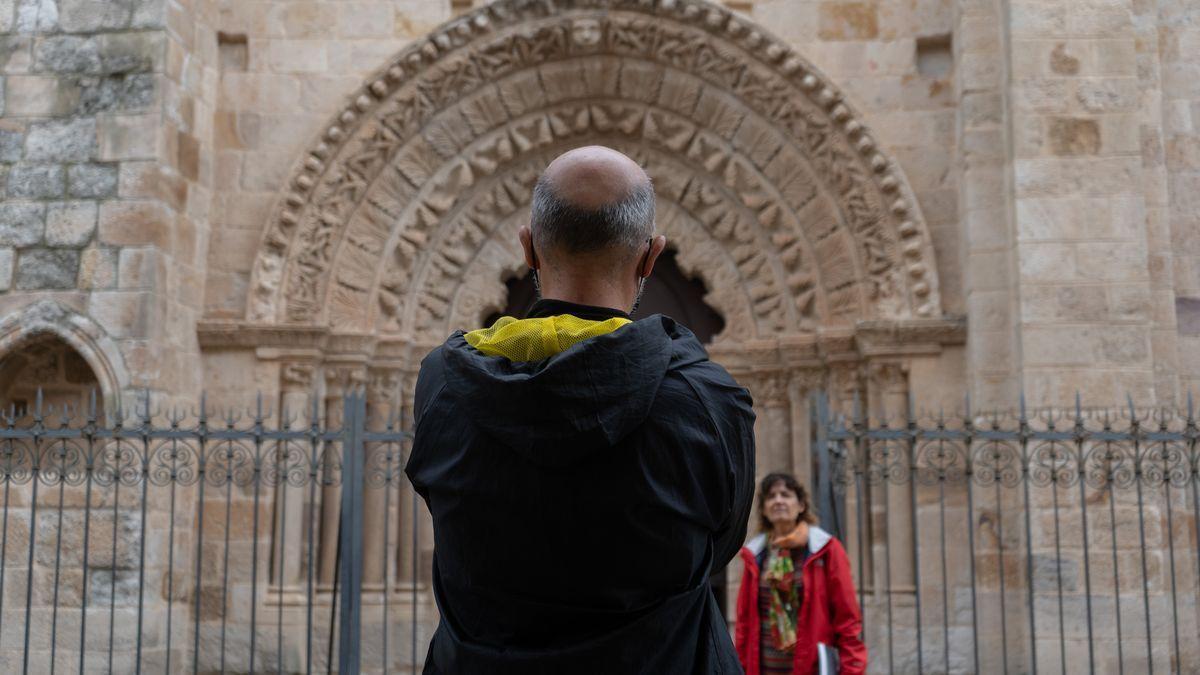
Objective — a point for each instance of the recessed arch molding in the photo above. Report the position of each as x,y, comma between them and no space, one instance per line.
398,219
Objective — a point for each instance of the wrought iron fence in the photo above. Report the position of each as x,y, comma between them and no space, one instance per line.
1034,541
208,541
213,541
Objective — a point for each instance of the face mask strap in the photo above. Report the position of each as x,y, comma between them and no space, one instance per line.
637,301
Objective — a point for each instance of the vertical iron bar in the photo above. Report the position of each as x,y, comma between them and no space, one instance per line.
112,577
1194,460
1062,634
225,554
333,599
401,420
58,535
1000,560
911,448
968,428
87,522
282,486
387,569
315,446
1139,474
1112,516
862,570
349,651
4,528
887,553
145,464
945,596
258,445
171,548
36,470
201,479
1171,553
1028,535
1081,464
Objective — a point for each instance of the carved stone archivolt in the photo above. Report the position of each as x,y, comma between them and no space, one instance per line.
400,219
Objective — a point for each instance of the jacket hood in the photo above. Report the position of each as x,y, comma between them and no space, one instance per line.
558,410
817,539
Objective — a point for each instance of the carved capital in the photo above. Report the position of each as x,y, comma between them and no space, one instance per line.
890,377
297,376
341,378
768,388
383,385
808,379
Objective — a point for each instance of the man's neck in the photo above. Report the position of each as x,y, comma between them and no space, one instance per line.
554,306
592,295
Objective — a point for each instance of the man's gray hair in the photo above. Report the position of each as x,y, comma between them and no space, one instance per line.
559,225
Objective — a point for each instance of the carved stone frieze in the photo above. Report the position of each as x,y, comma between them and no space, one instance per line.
297,376
380,226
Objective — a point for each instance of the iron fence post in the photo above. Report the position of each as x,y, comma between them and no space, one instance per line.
821,425
350,630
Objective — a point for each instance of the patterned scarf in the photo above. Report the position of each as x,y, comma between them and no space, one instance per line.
784,581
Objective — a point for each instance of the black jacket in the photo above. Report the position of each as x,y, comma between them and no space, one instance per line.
580,502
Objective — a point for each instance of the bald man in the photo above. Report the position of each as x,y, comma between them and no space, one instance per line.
586,472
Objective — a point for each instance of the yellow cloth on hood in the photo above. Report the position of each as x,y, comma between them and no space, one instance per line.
536,339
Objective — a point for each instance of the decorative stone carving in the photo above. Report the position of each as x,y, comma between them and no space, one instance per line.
382,226
297,376
383,385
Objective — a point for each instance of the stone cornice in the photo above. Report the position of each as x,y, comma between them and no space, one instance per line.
867,340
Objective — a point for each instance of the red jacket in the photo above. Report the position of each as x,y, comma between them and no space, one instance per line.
828,611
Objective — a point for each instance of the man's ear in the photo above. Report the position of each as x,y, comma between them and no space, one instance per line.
657,245
525,235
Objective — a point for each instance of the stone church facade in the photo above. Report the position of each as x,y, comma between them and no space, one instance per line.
900,204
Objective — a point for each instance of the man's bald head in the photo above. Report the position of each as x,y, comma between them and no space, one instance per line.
592,200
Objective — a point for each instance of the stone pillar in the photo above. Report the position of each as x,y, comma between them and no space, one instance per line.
338,380
412,516
296,386
891,506
984,153
801,383
1085,301
845,397
772,428
380,494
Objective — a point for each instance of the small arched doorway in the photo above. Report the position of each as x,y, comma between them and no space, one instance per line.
47,365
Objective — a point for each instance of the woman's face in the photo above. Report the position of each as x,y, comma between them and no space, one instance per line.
782,505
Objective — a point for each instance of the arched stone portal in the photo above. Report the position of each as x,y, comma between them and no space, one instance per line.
400,217
399,223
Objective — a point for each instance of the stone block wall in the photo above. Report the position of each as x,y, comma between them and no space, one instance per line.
285,67
895,64
102,172
1174,43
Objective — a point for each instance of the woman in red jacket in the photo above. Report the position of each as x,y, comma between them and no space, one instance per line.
797,597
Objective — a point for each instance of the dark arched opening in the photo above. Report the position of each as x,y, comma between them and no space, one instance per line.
47,363
668,291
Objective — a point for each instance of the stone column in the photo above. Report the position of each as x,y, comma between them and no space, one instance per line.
296,388
338,380
1087,313
408,508
772,428
891,506
380,493
845,396
801,383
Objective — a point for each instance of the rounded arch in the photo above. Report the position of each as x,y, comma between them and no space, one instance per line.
398,218
80,333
